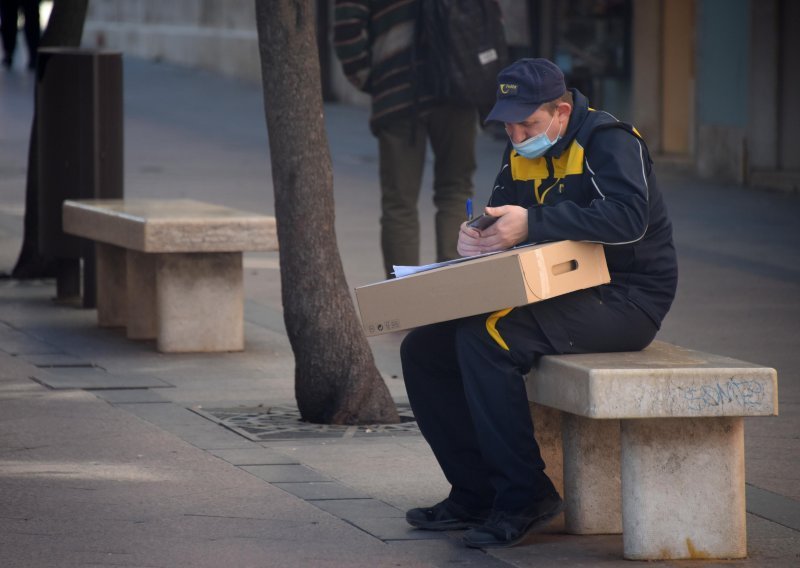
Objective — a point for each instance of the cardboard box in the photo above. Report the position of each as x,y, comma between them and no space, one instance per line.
481,285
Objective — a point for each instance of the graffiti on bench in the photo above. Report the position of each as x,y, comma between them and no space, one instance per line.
738,392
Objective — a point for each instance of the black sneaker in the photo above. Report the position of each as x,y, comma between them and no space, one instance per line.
445,516
508,528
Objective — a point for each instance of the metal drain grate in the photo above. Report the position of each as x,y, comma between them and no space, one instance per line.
283,423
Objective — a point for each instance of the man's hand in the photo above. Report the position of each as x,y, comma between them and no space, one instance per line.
511,228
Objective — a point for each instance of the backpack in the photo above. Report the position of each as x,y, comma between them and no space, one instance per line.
465,46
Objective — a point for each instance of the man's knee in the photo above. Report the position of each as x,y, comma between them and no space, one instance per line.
424,343
429,350
408,347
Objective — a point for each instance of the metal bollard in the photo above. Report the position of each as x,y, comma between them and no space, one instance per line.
80,144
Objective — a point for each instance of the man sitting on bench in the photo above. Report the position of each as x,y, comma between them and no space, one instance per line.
568,173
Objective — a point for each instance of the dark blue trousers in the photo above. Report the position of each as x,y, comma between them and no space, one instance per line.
466,384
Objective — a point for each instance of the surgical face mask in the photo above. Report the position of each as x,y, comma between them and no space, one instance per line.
536,146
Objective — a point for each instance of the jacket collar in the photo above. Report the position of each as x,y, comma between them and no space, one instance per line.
580,109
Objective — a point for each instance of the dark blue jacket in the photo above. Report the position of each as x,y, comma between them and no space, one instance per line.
596,184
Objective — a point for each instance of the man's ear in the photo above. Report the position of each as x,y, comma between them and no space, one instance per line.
564,109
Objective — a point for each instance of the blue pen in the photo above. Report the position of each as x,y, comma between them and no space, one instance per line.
469,209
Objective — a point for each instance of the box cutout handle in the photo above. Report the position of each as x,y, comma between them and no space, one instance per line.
564,267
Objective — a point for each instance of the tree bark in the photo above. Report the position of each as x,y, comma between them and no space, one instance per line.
64,29
336,381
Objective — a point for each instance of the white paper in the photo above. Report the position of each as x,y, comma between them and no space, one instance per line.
400,271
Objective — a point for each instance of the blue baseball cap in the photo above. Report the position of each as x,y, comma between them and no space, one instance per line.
523,86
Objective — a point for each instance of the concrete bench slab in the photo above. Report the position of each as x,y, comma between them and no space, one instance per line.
169,225
652,445
171,269
663,381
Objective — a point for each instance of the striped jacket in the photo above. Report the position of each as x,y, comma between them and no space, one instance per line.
375,41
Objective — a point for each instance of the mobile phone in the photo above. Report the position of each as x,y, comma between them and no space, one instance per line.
482,222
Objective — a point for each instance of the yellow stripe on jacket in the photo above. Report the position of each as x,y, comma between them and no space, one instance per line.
491,327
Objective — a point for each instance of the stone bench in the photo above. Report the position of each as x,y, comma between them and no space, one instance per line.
651,444
171,269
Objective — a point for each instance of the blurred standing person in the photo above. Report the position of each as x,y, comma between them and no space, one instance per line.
377,43
9,10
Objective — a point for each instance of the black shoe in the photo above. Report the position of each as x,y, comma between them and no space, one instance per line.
445,516
507,528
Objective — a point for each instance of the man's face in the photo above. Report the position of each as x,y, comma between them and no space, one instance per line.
540,121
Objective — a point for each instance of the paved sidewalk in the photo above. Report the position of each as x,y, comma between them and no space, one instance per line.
112,454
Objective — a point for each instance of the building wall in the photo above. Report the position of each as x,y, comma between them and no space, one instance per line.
789,110
646,73
736,123
218,35
774,116
763,126
677,76
722,98
714,87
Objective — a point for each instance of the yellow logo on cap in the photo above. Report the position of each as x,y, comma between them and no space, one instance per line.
508,89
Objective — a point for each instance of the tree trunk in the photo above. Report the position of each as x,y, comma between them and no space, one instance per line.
64,29
336,381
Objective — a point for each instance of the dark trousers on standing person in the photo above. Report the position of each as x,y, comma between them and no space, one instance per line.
466,384
9,9
402,143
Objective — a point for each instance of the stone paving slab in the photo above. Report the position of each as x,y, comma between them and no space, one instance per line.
399,471
377,518
321,490
130,396
285,473
254,456
768,545
264,316
774,507
188,426
771,544
56,360
15,342
354,509
94,378
559,550
393,528
448,552
85,483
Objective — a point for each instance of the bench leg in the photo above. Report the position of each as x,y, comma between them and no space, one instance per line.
200,302
112,300
592,475
547,428
683,488
141,293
